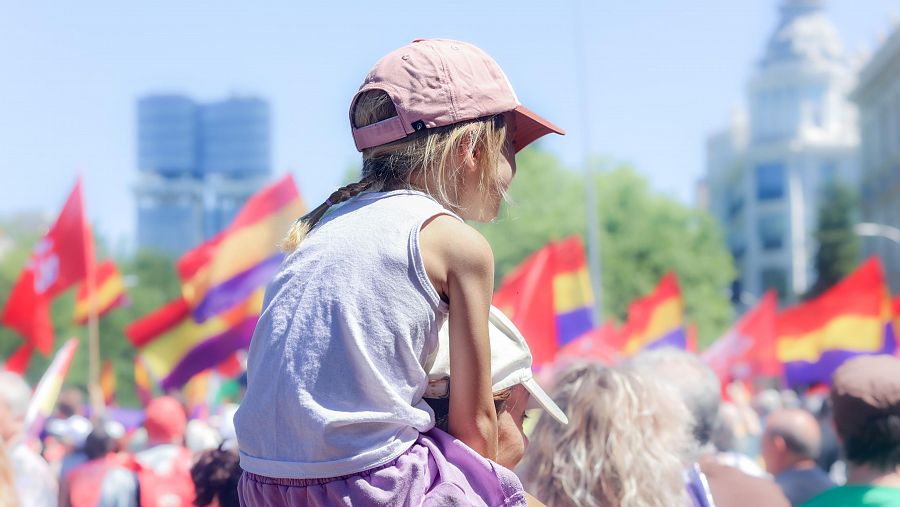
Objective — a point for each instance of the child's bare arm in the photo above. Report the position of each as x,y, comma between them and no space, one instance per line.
460,263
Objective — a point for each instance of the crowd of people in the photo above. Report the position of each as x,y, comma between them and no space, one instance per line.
76,461
651,431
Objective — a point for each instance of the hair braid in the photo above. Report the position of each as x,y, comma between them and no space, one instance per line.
304,224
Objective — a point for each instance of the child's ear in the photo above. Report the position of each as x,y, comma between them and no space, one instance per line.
467,156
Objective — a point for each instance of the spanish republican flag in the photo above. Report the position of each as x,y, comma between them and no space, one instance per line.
142,383
173,347
63,257
230,267
109,292
656,320
852,318
549,298
896,321
108,383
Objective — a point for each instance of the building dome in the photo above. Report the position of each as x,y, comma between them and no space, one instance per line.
803,33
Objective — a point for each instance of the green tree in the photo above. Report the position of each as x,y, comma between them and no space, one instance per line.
643,235
839,246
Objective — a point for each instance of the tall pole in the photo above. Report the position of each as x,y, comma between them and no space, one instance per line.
95,394
590,187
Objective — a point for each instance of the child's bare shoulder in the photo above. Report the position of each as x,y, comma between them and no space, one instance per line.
457,243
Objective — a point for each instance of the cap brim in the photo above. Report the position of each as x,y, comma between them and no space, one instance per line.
530,127
541,400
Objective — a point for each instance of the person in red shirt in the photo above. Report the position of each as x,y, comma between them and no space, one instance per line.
107,478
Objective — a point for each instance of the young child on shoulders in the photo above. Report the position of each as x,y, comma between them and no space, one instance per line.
334,410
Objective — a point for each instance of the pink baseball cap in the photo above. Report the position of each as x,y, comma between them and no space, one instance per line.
439,82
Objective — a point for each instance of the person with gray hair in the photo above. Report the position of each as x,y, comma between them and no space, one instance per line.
34,481
695,383
790,445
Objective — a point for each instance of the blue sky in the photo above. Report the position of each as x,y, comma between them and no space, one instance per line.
662,75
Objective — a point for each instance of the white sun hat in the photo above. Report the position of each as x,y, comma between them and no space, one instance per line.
510,364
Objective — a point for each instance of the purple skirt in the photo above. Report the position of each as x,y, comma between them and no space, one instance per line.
437,470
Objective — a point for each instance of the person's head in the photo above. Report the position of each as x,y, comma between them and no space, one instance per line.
865,395
216,474
438,116
14,397
694,381
791,436
165,421
513,384
623,445
511,404
71,432
98,443
70,402
726,434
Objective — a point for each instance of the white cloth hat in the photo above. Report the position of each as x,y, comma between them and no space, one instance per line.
73,430
510,364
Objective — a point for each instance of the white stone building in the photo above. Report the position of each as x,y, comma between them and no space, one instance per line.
878,97
767,169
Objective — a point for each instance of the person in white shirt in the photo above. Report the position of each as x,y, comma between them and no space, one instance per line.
34,481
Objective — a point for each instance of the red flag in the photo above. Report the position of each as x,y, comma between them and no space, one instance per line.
748,349
18,361
549,298
61,258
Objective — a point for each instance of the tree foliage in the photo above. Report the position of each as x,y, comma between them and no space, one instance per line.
642,236
839,246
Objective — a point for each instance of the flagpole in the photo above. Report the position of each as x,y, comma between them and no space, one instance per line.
590,190
95,394
98,405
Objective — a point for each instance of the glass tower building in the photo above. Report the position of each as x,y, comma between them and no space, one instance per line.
197,163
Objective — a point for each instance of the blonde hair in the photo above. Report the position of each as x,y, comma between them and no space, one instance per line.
623,446
423,159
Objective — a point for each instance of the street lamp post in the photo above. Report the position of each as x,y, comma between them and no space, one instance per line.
590,190
878,231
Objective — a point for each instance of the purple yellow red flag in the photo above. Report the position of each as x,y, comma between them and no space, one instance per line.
230,267
895,305
63,257
854,317
656,320
174,347
143,386
47,391
549,298
108,383
747,350
109,292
